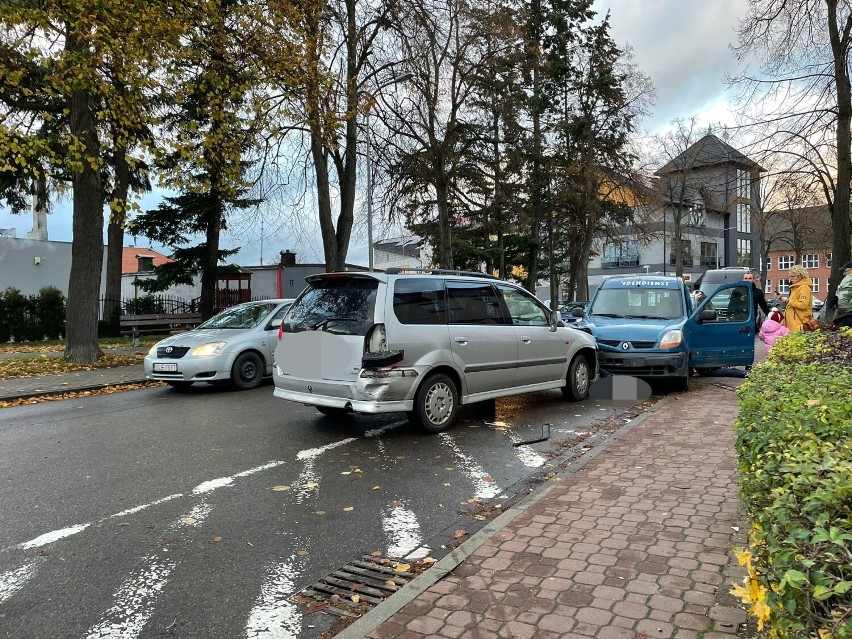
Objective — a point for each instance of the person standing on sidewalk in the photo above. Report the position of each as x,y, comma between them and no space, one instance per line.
800,301
759,298
843,298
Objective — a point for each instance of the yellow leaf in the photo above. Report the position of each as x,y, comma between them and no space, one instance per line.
376,487
447,484
402,567
459,533
376,553
311,484
303,553
346,472
428,560
217,538
355,598
358,470
280,488
348,509
189,521
320,513
390,582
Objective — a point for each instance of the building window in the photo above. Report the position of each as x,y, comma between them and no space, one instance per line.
785,262
784,287
622,254
828,260
768,286
768,263
810,261
144,263
709,255
743,252
743,207
815,285
686,252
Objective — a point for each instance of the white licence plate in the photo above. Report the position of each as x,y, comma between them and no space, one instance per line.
165,368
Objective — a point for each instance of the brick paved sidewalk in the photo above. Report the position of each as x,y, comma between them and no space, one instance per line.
635,544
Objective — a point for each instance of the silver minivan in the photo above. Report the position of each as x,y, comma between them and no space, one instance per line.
424,343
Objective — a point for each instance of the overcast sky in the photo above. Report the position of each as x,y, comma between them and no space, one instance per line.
682,45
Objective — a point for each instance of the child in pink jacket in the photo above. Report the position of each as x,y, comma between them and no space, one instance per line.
771,330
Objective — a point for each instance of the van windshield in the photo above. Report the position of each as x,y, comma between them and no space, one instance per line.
645,303
340,305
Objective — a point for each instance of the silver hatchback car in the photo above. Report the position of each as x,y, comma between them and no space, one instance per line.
424,343
236,345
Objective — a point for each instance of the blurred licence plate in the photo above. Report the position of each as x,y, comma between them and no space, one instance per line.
165,368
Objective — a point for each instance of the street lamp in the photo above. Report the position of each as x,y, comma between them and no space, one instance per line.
396,80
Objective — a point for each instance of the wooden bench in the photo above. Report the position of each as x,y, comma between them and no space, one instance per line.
156,323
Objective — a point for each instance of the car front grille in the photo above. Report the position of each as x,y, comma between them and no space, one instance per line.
614,343
176,352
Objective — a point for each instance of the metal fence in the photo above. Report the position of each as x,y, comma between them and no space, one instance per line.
146,304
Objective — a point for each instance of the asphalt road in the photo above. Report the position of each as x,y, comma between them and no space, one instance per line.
155,513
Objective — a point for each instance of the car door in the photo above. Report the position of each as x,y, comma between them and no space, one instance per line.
728,338
541,352
481,338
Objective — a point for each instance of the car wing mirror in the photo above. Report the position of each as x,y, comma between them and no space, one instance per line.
555,320
707,315
577,311
274,324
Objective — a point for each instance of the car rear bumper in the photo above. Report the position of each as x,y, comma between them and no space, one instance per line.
360,395
641,364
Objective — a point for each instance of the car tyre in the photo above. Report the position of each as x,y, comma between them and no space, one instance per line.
681,384
705,372
247,371
578,380
435,404
332,411
179,385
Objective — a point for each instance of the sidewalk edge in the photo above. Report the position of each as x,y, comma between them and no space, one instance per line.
76,389
390,606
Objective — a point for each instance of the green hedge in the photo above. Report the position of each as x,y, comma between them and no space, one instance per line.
29,318
794,444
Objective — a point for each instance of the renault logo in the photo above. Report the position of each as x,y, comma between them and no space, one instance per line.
624,346
169,349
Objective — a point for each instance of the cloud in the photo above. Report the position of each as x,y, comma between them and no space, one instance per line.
684,46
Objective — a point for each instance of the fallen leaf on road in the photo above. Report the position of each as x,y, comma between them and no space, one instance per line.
303,553
346,472
320,513
377,487
459,533
311,484
355,598
376,553
348,509
390,582
189,521
279,489
217,538
402,567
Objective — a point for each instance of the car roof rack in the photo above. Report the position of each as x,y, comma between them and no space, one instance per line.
401,270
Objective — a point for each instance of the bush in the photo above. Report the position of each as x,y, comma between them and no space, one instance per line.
795,454
32,318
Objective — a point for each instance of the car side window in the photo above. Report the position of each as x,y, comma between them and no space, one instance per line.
473,303
524,309
420,301
730,304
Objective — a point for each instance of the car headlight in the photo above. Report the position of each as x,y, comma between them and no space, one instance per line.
153,350
671,339
208,350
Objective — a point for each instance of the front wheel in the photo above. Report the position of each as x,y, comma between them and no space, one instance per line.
578,379
247,371
435,404
681,384
705,372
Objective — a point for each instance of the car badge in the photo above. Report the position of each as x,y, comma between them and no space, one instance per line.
624,346
310,388
169,349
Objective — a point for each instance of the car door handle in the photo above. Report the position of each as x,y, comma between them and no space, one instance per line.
460,340
525,339
745,329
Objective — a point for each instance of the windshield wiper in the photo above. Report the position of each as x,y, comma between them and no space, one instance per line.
606,314
644,317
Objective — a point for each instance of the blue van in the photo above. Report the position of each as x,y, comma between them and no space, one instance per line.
646,326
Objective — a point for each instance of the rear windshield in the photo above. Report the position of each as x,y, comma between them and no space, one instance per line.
340,305
638,303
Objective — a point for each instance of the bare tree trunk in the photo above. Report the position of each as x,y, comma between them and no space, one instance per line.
87,248
445,239
115,237
842,245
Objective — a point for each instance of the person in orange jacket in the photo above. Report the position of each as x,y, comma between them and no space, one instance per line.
799,303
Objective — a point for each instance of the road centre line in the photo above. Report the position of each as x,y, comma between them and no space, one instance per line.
486,488
12,581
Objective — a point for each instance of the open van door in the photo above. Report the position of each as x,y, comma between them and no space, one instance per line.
722,328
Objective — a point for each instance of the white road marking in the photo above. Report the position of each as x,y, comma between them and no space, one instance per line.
13,580
134,601
136,509
402,530
484,489
313,453
274,616
527,455
54,535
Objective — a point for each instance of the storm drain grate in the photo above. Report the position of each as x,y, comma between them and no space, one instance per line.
356,587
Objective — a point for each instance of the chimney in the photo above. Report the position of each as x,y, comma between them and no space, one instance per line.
288,258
